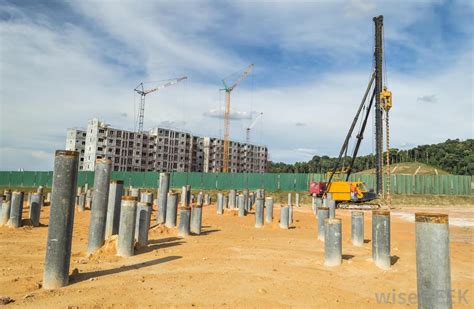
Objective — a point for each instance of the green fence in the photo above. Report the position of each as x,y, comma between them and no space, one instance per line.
399,184
422,184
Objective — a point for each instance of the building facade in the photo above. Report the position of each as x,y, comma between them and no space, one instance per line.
76,140
161,150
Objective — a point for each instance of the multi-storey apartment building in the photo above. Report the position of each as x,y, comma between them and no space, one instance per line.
161,149
242,157
76,140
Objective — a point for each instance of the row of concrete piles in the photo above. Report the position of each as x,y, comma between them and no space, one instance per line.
244,201
112,213
12,203
432,247
122,205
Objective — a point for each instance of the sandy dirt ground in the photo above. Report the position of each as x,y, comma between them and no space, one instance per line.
231,264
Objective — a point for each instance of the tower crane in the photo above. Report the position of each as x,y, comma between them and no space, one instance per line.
247,130
142,92
228,90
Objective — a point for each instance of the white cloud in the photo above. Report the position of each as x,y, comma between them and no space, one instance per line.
233,114
163,40
172,124
427,98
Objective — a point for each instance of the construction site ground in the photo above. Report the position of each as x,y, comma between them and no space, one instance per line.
234,264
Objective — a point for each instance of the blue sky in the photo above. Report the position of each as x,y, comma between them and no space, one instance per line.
62,63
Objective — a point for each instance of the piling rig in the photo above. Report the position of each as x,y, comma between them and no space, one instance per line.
353,194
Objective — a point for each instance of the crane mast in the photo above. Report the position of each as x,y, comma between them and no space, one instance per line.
228,90
142,92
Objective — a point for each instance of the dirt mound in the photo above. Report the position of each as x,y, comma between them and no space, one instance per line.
108,249
162,230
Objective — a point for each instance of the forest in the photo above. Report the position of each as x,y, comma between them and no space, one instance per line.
454,156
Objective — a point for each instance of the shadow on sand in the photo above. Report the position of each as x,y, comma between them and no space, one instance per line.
156,244
209,232
75,278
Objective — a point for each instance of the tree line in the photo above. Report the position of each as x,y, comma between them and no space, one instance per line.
454,156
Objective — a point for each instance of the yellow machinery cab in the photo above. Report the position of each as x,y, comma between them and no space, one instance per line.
345,191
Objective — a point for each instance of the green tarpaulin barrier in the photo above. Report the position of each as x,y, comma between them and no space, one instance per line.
399,184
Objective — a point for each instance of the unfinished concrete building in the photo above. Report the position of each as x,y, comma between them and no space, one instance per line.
242,157
76,140
161,150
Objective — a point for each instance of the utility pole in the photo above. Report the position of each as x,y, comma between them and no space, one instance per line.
378,55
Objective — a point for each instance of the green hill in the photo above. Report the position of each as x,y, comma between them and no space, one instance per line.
452,156
410,168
